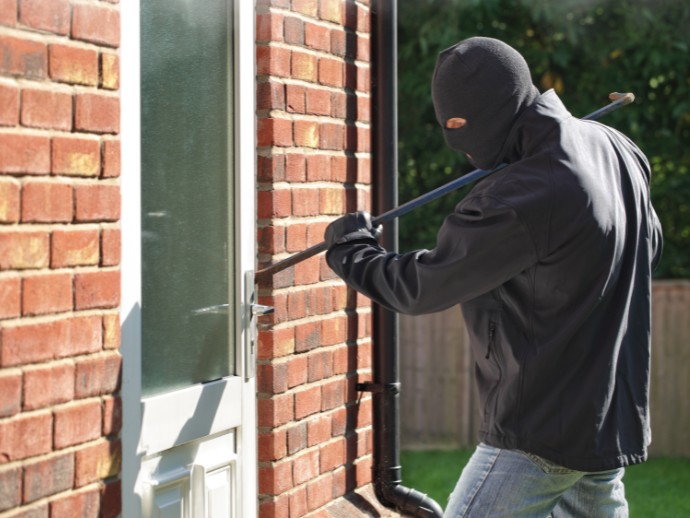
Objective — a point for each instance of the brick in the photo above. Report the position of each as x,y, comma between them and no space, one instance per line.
11,390
298,503
296,438
9,105
307,7
10,298
332,11
111,159
47,202
23,58
274,204
111,331
271,61
97,202
76,156
96,113
295,167
319,429
10,488
333,331
295,98
73,65
20,250
97,461
110,247
339,42
36,342
363,49
307,402
304,66
318,101
274,132
271,240
332,455
53,16
305,467
110,71
272,378
318,167
276,343
111,499
294,30
46,109
309,272
28,154
97,375
9,202
74,248
112,415
296,238
275,411
48,477
272,445
270,96
46,293
99,289
275,479
48,385
319,492
8,16
76,424
343,106
320,365
317,37
306,133
85,504
269,27
330,72
331,136
26,435
305,202
96,24
297,371
333,394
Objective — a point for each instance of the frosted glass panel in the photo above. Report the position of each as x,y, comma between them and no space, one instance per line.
187,248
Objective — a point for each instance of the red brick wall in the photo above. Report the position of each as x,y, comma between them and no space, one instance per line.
59,258
313,100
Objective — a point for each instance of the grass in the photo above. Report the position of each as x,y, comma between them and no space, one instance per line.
658,488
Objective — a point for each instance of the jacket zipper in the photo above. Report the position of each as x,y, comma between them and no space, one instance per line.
492,332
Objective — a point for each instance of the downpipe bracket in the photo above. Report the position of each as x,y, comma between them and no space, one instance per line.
378,388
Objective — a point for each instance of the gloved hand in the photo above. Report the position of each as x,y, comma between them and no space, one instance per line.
356,225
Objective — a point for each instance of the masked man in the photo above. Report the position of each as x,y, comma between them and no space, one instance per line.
551,261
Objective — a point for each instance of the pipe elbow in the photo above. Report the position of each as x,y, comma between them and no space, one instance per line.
409,501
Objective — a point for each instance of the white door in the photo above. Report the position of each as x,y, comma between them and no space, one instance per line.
189,439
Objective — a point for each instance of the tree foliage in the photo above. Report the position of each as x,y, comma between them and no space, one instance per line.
584,49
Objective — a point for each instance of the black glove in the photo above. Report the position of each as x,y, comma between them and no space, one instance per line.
356,225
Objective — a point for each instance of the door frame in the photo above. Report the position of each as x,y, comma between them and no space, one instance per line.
245,251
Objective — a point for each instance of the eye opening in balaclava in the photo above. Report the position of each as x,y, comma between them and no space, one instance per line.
488,83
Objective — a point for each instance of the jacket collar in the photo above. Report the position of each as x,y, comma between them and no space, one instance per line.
533,125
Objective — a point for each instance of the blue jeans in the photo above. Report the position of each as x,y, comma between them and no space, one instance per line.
511,483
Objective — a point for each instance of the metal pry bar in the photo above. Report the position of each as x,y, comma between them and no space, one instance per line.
618,100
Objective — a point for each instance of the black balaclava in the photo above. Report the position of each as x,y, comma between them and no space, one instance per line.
488,83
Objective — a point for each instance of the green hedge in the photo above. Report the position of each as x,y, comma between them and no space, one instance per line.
584,50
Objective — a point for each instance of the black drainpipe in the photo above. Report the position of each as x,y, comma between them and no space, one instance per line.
385,387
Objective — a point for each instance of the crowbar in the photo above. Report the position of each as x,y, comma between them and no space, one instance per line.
618,100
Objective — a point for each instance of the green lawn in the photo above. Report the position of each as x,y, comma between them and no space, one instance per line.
657,488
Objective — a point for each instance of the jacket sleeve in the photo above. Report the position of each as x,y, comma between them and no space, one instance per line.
480,246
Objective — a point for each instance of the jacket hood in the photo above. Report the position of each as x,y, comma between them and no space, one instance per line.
488,83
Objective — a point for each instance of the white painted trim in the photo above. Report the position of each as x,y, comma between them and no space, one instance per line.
245,139
130,135
245,189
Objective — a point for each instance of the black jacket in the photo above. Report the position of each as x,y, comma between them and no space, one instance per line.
551,261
